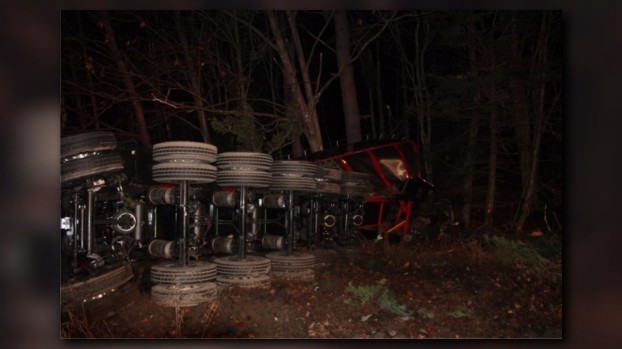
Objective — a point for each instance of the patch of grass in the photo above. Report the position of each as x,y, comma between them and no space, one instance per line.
514,251
362,294
461,312
426,314
387,302
548,245
380,295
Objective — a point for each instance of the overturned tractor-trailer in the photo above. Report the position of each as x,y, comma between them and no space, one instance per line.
394,170
205,220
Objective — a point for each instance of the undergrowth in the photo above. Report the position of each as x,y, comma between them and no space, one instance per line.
380,295
514,251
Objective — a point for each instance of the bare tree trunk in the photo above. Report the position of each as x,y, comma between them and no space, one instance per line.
346,79
369,64
539,66
492,169
127,80
300,55
297,148
372,110
422,96
522,119
474,122
407,116
296,131
194,76
308,110
470,164
522,129
250,142
412,71
530,189
492,154
380,108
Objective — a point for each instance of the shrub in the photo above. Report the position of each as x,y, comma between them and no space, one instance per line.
513,251
381,295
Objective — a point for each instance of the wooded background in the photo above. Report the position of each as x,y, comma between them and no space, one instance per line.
480,91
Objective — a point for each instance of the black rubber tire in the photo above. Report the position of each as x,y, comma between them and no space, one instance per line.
87,143
354,176
182,151
101,295
329,174
251,272
184,295
101,308
303,275
297,266
193,273
100,164
173,172
356,184
238,178
293,183
253,281
302,168
297,261
328,188
104,307
233,266
244,161
361,191
110,277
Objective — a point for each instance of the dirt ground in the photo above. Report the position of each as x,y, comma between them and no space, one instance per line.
452,290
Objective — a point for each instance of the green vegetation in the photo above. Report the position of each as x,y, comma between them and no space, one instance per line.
513,251
460,312
379,294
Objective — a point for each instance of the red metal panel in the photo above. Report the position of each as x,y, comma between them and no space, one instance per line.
412,170
374,161
344,164
340,156
403,158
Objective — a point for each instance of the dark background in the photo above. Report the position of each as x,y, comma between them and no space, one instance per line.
29,119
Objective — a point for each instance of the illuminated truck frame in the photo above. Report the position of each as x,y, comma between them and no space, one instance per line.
396,174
